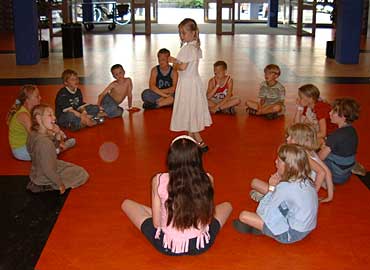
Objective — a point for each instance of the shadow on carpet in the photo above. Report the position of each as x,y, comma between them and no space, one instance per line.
26,222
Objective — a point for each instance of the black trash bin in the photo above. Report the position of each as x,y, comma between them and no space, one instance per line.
330,49
72,40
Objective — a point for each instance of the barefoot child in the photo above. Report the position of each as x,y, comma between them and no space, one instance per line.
183,219
116,92
305,136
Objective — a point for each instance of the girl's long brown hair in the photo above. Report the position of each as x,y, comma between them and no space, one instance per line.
190,191
25,92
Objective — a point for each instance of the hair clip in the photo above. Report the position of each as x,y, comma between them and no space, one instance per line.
17,102
187,137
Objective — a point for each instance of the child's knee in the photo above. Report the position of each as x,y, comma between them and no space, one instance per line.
125,205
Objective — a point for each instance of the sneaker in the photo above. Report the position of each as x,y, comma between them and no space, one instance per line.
245,228
69,143
99,119
251,111
203,147
255,195
149,106
358,169
230,111
271,116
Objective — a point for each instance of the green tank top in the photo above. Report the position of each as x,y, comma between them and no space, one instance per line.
17,132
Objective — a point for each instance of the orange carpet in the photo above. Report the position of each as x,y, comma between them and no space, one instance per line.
93,233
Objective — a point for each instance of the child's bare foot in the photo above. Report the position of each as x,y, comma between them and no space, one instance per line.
134,109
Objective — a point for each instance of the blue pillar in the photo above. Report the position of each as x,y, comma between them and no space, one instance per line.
27,51
272,20
348,31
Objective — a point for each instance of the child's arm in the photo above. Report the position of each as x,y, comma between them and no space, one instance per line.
298,114
328,182
320,173
129,93
321,134
324,152
212,87
156,203
177,65
105,91
153,83
229,93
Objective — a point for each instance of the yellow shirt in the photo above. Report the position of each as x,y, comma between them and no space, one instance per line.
17,132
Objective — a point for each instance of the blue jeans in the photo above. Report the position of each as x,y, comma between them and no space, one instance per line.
110,106
149,96
69,120
21,153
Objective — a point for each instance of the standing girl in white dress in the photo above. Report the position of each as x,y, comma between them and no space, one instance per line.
190,110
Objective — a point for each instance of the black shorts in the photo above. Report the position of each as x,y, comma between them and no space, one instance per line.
149,231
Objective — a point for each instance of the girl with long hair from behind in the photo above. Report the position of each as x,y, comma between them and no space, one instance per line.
183,219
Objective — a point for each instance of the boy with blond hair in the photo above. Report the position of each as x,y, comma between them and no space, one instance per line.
271,96
71,111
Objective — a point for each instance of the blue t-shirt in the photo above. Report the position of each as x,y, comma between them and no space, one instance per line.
292,205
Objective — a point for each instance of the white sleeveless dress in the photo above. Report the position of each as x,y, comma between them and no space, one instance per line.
190,110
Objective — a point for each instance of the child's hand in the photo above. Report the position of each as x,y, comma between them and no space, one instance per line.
133,109
325,200
172,59
62,189
274,179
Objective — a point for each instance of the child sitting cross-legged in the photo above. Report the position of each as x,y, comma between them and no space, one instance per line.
271,96
183,219
220,91
71,110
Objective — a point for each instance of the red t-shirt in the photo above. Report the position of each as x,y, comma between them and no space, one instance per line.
321,110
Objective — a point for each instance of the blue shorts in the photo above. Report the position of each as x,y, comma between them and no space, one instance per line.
149,96
149,231
288,237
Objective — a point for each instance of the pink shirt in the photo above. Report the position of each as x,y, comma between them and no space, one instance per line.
177,241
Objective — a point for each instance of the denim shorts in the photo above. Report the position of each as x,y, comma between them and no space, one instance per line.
149,231
288,237
110,107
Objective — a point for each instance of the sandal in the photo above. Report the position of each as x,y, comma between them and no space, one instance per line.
245,228
251,111
255,195
203,147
